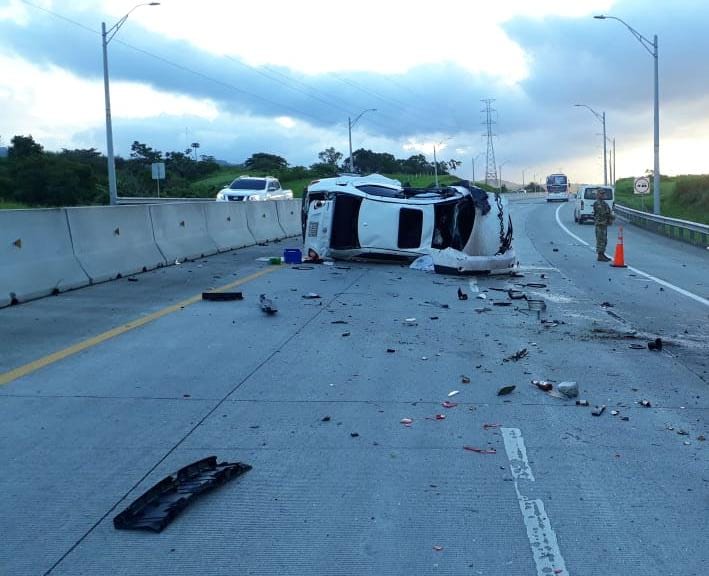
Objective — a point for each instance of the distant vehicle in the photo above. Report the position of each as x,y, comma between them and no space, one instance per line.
254,188
557,188
586,196
464,229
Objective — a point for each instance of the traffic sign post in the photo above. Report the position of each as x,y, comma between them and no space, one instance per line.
641,185
158,171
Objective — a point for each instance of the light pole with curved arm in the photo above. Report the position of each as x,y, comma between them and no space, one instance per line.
652,48
602,119
475,158
106,36
435,160
351,123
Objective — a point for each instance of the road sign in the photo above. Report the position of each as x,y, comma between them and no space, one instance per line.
641,185
158,169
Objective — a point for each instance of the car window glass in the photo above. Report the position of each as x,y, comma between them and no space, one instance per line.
247,185
381,191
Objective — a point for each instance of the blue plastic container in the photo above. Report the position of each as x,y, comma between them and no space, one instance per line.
292,256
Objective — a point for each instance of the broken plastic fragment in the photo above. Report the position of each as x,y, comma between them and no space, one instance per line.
598,410
453,393
516,356
581,402
267,305
505,390
480,450
311,296
390,350
440,416
490,426
464,379
406,421
438,548
543,385
656,345
462,295
645,404
159,506
448,404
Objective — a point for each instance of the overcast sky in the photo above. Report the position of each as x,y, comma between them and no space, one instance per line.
283,77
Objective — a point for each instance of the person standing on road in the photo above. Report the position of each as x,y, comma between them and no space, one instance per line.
602,218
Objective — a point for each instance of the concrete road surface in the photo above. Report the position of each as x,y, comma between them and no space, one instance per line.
106,390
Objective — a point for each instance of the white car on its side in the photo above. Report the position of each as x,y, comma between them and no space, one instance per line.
464,229
254,188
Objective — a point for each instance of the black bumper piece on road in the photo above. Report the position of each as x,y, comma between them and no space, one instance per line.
159,506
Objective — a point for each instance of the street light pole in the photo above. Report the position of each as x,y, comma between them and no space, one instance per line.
602,119
106,37
652,48
350,124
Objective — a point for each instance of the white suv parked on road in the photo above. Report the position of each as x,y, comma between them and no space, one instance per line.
254,188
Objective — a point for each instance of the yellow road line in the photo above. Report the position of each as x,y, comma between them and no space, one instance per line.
7,377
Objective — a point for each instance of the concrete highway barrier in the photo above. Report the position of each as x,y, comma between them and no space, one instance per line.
227,225
36,255
289,216
111,242
181,231
263,220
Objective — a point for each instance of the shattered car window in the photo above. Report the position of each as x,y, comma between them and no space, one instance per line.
380,191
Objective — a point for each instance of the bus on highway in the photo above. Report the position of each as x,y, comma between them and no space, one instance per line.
557,188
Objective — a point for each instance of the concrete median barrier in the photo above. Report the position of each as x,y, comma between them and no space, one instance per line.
289,217
181,231
113,241
36,255
263,221
227,225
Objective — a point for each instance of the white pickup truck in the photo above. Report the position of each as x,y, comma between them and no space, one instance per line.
254,188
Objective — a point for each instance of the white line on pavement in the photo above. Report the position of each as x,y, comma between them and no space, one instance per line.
542,539
660,281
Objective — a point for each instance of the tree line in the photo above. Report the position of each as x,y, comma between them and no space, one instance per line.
36,177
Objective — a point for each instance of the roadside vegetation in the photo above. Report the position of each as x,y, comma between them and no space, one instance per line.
683,197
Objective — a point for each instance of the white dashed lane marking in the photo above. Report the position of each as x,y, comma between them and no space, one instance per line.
542,538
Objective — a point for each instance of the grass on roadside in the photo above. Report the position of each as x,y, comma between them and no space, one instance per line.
7,205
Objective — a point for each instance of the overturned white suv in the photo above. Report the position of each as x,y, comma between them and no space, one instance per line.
463,228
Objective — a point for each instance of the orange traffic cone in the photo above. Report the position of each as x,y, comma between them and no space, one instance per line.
619,257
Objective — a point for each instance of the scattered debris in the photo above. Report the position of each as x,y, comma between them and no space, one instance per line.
543,385
462,295
505,390
550,323
302,268
410,322
453,393
482,296
568,389
311,296
598,410
516,356
491,426
440,416
516,295
480,450
339,322
624,418
535,285
606,305
313,257
222,296
434,317
354,434
581,402
656,345
481,310
464,379
701,438
390,350
132,279
345,334
500,303
438,548
645,404
448,404
406,421
157,507
267,305
614,412
637,347
325,419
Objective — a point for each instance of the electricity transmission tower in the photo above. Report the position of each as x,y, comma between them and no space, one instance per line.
490,167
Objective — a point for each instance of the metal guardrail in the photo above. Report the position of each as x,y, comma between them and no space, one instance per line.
684,230
152,200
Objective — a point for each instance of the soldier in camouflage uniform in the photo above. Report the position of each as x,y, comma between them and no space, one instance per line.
602,217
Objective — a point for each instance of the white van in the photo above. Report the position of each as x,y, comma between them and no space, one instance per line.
586,196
